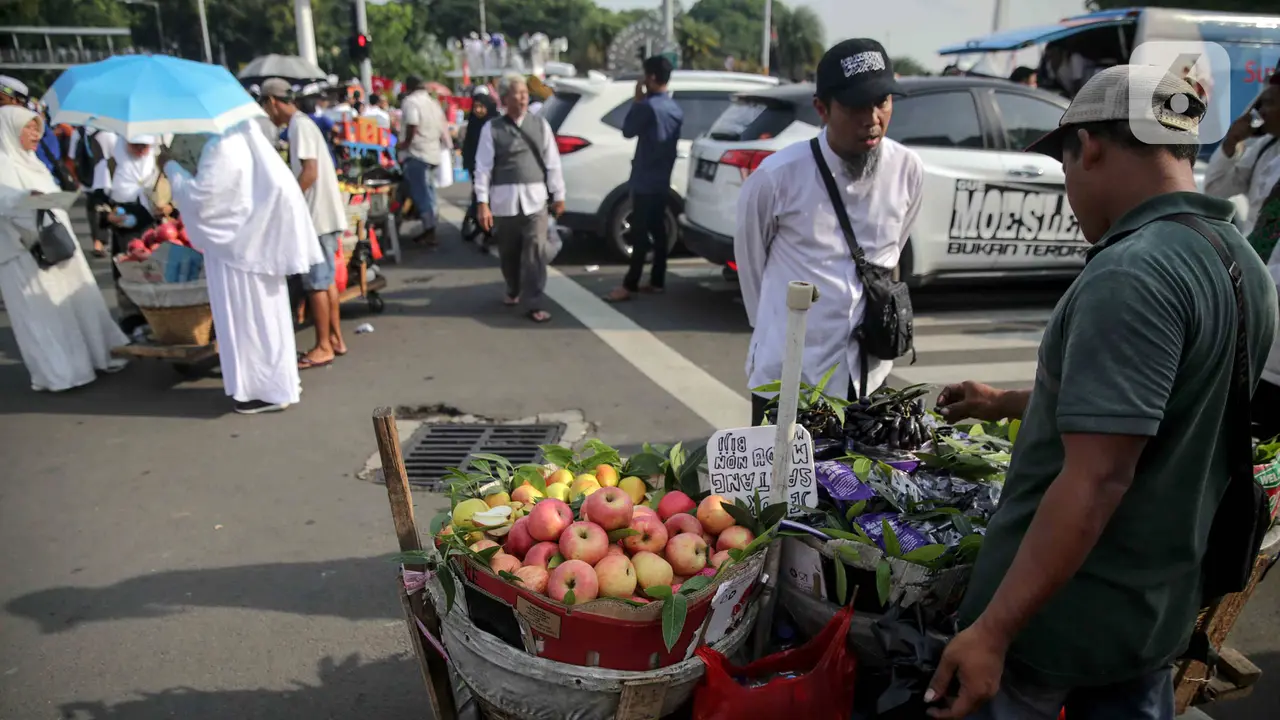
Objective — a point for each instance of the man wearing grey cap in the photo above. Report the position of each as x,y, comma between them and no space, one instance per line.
1133,471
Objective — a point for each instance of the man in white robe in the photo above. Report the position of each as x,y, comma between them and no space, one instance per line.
244,211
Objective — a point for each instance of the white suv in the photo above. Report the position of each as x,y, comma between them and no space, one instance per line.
989,210
586,116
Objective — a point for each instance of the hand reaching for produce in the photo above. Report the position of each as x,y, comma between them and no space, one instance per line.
974,400
974,661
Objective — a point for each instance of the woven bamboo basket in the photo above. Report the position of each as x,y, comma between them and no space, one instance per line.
191,325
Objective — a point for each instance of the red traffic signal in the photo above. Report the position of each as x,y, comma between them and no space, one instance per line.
360,47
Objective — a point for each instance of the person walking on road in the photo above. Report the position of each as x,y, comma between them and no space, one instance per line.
64,331
1248,163
483,109
89,148
789,228
426,135
517,171
655,120
1091,574
313,166
244,210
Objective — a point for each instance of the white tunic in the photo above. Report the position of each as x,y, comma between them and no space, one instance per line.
787,230
245,212
1252,172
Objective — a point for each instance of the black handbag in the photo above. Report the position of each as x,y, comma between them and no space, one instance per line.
887,331
56,243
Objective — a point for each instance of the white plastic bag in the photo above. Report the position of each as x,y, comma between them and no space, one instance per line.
444,171
554,242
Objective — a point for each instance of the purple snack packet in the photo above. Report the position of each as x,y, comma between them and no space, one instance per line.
908,538
841,483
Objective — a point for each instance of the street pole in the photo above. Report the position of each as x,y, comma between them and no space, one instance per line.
306,31
204,32
998,19
484,24
159,25
768,36
366,65
668,23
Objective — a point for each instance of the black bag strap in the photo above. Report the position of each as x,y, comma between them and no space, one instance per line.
837,204
1239,396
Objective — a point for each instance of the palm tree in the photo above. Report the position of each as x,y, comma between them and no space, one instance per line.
699,43
800,40
909,66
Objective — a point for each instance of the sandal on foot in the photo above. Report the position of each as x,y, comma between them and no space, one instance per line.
617,296
539,316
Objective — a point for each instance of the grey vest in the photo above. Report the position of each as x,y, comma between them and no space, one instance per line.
514,163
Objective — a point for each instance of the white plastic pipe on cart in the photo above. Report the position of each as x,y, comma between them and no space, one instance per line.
800,297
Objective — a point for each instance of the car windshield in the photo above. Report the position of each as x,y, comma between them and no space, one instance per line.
755,119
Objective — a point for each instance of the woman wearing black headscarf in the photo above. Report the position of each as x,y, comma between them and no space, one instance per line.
483,109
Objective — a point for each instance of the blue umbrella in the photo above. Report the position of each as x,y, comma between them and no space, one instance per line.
134,95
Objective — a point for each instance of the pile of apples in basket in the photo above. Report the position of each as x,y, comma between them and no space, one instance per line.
583,528
140,248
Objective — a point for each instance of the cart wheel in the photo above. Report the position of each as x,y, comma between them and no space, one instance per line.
375,302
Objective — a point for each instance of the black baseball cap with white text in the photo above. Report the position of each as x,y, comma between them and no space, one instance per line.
857,73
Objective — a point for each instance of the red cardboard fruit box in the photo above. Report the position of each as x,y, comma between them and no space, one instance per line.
608,633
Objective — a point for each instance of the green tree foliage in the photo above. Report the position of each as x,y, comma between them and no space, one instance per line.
1265,7
909,66
407,34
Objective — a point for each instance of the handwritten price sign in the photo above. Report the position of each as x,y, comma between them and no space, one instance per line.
740,462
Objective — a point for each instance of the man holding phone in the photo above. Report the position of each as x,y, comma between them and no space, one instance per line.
655,120
1248,163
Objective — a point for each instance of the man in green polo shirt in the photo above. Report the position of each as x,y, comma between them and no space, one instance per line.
1088,583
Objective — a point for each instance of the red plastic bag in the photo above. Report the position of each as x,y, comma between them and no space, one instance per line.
340,276
823,689
375,248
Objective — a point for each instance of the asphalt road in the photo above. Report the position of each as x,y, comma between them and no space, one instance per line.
166,558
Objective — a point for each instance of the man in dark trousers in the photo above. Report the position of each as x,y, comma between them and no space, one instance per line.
655,121
1090,575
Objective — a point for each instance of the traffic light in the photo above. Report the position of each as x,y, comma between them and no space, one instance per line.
360,47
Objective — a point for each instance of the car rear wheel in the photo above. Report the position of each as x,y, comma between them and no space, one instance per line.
619,230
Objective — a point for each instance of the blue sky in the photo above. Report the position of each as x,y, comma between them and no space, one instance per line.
916,28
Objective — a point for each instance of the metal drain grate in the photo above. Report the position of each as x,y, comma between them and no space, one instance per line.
435,448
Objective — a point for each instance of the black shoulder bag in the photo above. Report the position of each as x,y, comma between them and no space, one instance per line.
887,329
1243,516
56,243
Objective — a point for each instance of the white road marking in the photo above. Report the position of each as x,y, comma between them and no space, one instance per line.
993,372
951,342
980,317
708,398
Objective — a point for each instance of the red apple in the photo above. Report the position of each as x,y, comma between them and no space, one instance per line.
585,541
548,519
616,575
167,232
540,554
638,599
719,559
707,571
651,570
651,537
616,549
577,576
687,554
479,545
503,562
714,518
735,537
643,510
518,539
609,507
674,502
533,578
683,523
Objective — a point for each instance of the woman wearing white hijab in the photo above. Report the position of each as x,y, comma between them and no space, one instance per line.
134,174
64,330
243,209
